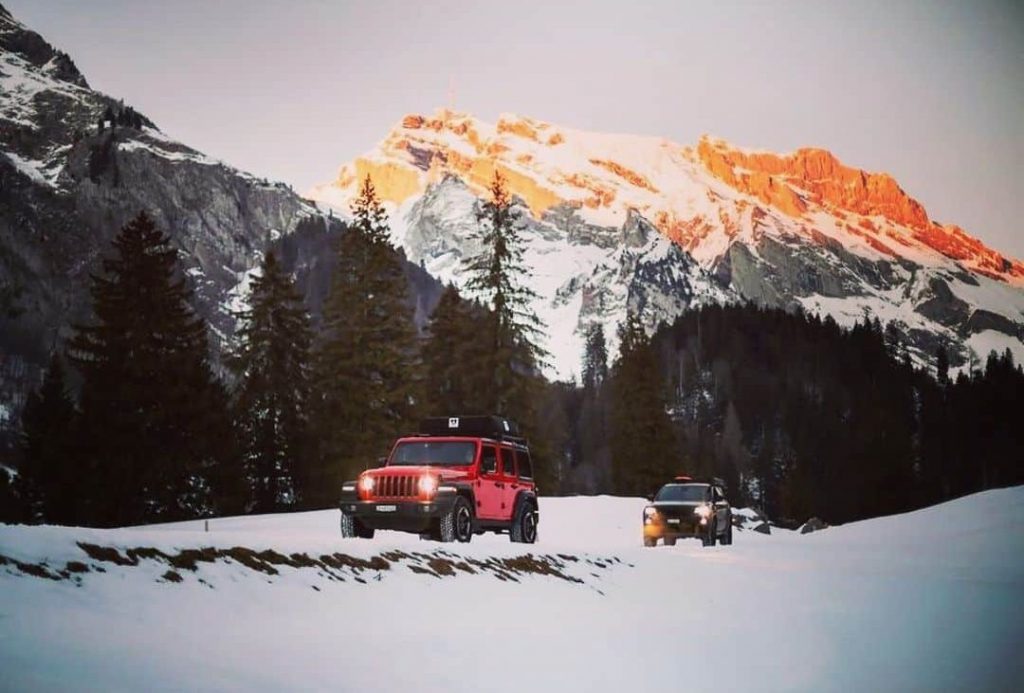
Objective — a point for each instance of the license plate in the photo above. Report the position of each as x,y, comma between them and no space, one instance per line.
387,508
673,522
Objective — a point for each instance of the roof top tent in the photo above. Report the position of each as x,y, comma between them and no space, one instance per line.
496,427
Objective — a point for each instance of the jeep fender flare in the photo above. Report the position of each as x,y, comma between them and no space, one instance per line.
526,497
464,489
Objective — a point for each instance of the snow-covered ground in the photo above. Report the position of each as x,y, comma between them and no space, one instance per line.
931,600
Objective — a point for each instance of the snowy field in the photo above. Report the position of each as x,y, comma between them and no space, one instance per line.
931,600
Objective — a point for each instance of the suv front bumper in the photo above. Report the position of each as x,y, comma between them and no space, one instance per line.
683,530
405,515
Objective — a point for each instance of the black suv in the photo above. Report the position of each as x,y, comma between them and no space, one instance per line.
687,508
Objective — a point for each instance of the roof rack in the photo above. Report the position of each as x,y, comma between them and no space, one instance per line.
686,479
495,427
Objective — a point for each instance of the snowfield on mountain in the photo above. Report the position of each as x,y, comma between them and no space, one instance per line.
618,223
929,600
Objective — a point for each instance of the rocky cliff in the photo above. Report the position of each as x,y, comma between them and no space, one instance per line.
621,223
76,164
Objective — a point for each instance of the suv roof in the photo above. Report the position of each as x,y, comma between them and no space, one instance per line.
712,481
510,441
495,428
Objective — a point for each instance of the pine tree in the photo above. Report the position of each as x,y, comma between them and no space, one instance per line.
942,365
643,444
154,425
10,512
498,277
271,400
595,358
45,483
454,340
365,388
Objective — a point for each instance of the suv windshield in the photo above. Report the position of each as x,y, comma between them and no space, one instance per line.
439,453
694,493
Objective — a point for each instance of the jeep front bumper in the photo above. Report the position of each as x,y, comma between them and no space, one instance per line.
404,515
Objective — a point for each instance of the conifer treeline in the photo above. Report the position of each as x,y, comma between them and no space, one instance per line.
800,417
153,435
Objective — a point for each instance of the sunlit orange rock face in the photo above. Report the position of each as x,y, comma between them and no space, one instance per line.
632,176
790,182
546,166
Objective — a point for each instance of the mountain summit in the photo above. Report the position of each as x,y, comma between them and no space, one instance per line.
621,223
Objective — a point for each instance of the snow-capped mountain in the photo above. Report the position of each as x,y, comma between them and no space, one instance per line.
621,223
75,165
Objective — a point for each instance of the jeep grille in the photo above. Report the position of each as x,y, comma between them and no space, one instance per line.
396,487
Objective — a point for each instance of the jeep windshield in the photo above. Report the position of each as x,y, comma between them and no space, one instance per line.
683,493
435,453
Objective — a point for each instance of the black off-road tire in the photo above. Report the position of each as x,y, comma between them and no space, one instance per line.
353,528
670,541
457,523
524,524
650,541
348,526
727,537
709,538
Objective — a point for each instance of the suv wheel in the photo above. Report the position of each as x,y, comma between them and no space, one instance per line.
524,524
709,538
727,537
650,541
670,541
457,523
348,527
351,527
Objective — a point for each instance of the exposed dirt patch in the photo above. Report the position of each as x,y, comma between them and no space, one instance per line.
336,567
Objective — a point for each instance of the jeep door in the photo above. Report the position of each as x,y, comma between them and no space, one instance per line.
489,485
511,482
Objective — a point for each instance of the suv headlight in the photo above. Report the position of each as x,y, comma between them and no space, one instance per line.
703,510
428,485
366,483
650,514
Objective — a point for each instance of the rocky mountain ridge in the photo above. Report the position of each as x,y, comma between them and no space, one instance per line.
799,231
75,165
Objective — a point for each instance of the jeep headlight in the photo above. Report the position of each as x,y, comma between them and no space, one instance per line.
704,511
428,485
650,514
366,483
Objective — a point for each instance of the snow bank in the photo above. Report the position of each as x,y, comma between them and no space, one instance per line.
927,600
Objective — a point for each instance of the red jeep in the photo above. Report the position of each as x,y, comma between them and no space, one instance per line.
462,475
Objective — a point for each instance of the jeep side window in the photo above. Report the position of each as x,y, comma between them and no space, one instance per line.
508,462
488,460
525,465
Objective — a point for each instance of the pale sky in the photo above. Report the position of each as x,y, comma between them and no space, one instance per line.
931,92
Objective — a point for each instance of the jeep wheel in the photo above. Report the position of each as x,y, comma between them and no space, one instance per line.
348,528
524,524
351,527
670,541
650,541
457,523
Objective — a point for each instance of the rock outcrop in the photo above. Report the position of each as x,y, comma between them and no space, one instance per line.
801,231
74,168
